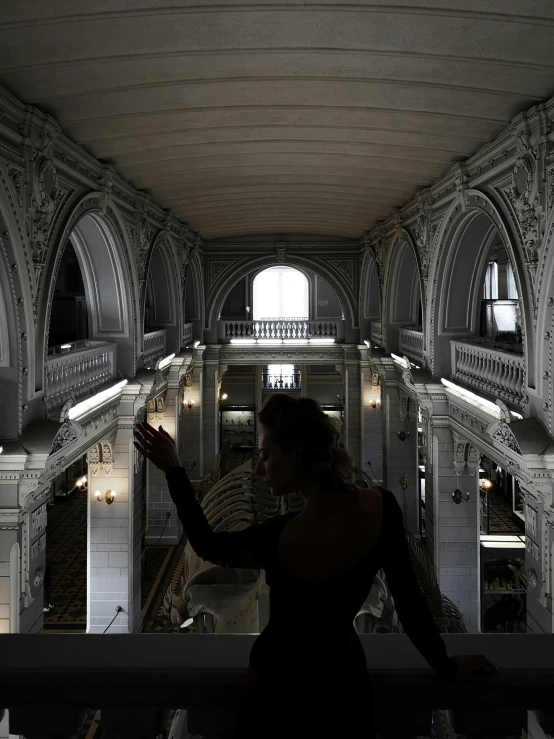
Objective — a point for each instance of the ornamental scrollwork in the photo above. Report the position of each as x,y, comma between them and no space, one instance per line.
505,436
46,198
524,198
67,433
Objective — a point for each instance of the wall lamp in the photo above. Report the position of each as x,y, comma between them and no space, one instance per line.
109,497
81,483
458,497
224,396
375,403
189,403
485,484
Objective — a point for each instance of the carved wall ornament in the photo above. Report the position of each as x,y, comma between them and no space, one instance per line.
281,251
67,433
524,198
46,198
551,187
93,458
501,432
16,176
460,446
472,460
107,457
188,379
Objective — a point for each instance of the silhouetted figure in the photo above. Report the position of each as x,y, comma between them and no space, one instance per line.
307,674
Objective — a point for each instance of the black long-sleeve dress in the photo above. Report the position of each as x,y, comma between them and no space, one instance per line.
307,669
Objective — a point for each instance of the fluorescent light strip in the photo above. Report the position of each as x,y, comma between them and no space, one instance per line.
470,397
400,360
503,545
164,362
82,408
275,342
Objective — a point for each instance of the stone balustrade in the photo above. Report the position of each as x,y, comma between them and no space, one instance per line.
187,334
281,330
499,373
154,347
135,678
411,343
376,333
76,368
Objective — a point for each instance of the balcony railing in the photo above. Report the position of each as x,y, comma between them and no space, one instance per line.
496,372
154,347
411,343
289,381
187,334
75,369
281,329
132,678
376,333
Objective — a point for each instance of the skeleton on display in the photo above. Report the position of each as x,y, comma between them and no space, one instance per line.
233,600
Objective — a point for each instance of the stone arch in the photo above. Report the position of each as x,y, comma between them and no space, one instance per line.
463,241
545,330
371,291
163,287
219,294
16,318
100,242
403,290
194,305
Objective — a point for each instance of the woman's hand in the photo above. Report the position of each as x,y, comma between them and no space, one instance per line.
158,446
472,667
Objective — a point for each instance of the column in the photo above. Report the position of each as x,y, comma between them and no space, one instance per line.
353,405
303,380
163,526
189,409
456,530
114,530
401,476
210,409
372,424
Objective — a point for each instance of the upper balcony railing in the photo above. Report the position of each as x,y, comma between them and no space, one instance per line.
134,678
289,381
76,368
376,333
154,347
187,334
496,372
411,343
281,329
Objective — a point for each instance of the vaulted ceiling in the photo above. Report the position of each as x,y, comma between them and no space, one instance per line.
290,117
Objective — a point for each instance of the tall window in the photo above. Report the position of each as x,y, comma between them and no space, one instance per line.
511,280
491,282
280,292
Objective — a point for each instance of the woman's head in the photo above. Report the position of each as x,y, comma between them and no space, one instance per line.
300,446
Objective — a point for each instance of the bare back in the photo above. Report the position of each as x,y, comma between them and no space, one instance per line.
316,551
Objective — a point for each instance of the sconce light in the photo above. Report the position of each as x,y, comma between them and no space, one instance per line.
81,483
403,435
224,396
189,403
375,403
108,497
485,484
458,497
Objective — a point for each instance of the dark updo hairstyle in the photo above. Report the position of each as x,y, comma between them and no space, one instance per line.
300,424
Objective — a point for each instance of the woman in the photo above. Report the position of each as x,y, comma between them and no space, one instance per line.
307,673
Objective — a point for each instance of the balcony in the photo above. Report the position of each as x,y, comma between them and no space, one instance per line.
280,382
76,368
133,679
376,333
187,334
494,371
411,343
154,347
279,330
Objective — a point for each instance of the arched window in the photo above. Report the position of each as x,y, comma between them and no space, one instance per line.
280,292
491,282
511,282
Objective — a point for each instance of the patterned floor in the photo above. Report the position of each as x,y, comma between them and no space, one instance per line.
501,516
66,550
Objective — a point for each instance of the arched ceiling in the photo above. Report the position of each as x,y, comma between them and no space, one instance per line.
286,117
